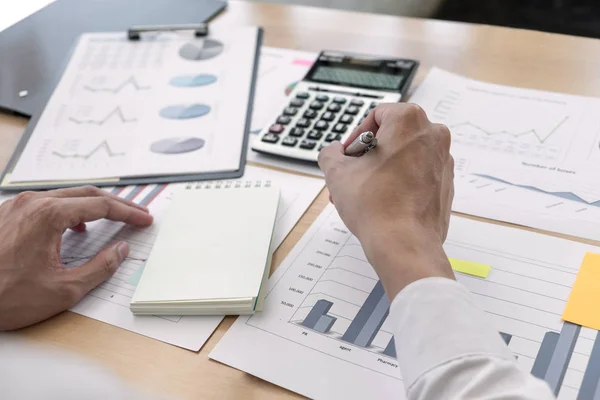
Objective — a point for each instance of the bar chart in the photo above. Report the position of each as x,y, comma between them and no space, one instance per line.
329,299
364,327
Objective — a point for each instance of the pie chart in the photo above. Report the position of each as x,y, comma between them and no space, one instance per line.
184,111
192,80
177,145
201,49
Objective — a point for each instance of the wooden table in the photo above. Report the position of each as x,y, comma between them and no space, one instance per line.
506,56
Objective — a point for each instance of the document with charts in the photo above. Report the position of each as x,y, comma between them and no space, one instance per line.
325,334
109,302
168,104
523,156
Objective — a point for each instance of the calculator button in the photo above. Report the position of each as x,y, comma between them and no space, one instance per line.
291,111
339,100
373,105
327,116
322,146
332,136
310,114
270,138
340,128
303,123
289,141
346,119
314,135
297,132
322,97
334,107
321,125
357,102
316,105
302,95
307,144
366,113
276,128
352,110
361,121
297,103
284,120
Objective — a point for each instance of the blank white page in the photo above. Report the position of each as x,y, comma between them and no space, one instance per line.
214,244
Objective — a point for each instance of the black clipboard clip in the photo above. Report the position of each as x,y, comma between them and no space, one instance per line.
135,32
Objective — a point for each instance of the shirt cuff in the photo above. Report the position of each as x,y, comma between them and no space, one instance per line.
436,321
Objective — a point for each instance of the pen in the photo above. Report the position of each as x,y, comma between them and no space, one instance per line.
363,143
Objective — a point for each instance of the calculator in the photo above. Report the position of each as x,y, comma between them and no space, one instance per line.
334,97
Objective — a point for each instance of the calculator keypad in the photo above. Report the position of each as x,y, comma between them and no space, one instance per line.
312,120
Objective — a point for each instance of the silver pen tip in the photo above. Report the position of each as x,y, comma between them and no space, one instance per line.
367,136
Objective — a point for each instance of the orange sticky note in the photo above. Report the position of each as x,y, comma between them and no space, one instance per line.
583,306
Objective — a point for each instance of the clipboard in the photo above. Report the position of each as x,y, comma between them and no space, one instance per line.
134,33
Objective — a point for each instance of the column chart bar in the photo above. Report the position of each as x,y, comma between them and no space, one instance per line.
320,308
390,349
540,365
562,355
325,323
369,319
506,337
590,387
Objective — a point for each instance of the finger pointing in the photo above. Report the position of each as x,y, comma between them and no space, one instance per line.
88,191
69,212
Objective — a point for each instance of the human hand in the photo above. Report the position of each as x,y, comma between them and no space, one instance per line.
34,284
396,198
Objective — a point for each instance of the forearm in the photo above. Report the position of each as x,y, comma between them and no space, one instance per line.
448,349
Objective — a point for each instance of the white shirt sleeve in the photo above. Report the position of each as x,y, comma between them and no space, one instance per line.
448,349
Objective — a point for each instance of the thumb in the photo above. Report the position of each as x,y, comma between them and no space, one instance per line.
331,158
89,275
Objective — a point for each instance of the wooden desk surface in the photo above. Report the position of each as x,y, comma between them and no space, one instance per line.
507,56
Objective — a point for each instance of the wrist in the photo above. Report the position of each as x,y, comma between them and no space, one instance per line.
401,256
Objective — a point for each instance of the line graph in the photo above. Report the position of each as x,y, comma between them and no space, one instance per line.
131,81
102,146
563,195
541,139
117,112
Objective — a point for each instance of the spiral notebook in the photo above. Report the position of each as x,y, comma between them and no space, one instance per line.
212,254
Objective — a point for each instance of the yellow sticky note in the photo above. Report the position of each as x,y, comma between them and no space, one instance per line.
584,300
470,268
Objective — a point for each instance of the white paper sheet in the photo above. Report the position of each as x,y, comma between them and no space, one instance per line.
523,156
525,294
17,11
169,104
279,71
109,302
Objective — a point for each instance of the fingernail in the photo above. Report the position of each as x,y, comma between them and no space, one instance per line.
122,250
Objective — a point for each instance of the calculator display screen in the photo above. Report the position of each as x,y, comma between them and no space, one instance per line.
362,71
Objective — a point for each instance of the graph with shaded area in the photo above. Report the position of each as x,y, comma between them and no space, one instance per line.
563,195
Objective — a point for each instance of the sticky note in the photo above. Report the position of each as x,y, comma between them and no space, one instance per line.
470,268
306,63
584,300
134,278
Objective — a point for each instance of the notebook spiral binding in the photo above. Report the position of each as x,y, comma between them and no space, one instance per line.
237,184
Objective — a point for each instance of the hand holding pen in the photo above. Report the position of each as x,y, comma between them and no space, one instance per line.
395,199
